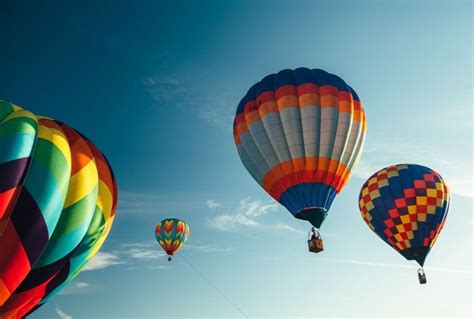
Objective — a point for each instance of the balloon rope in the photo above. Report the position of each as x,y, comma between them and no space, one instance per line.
212,285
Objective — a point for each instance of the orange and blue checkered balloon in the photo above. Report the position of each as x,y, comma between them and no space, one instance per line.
300,134
406,205
171,234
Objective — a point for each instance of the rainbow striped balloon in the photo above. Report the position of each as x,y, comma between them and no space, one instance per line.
57,204
300,133
171,234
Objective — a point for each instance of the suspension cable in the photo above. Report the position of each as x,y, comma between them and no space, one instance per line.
212,285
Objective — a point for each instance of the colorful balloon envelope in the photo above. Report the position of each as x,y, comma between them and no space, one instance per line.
300,133
57,204
406,205
171,234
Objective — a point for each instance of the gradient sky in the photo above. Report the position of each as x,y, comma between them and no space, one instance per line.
155,85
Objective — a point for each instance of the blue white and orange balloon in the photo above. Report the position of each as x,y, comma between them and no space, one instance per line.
300,134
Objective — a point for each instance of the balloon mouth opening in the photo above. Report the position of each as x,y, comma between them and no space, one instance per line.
314,215
416,253
170,254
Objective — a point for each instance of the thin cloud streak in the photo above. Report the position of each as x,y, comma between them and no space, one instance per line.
130,253
207,248
62,314
383,265
217,103
212,204
137,256
164,89
246,215
76,288
103,260
133,203
285,227
141,251
456,173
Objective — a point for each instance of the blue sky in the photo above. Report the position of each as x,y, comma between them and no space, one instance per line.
155,86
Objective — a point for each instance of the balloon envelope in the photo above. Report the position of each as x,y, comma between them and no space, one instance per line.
406,205
171,234
300,134
57,204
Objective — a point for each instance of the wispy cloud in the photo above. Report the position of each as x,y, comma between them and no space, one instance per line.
246,215
249,214
103,260
76,287
133,203
141,251
377,264
154,80
82,284
286,227
163,88
62,314
144,254
157,267
136,256
208,248
214,104
218,110
457,172
441,140
212,203
132,255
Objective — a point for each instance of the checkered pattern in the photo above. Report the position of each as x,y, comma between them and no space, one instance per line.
405,205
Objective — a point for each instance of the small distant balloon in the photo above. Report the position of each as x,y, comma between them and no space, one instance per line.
171,234
406,205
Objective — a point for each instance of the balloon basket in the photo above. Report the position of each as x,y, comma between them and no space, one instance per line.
169,258
315,242
421,276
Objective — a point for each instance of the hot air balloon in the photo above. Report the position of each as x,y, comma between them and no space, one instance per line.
406,205
57,204
300,133
171,234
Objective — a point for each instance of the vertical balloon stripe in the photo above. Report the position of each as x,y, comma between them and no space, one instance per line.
14,263
354,150
49,174
98,229
18,131
53,134
40,203
37,209
80,202
12,175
